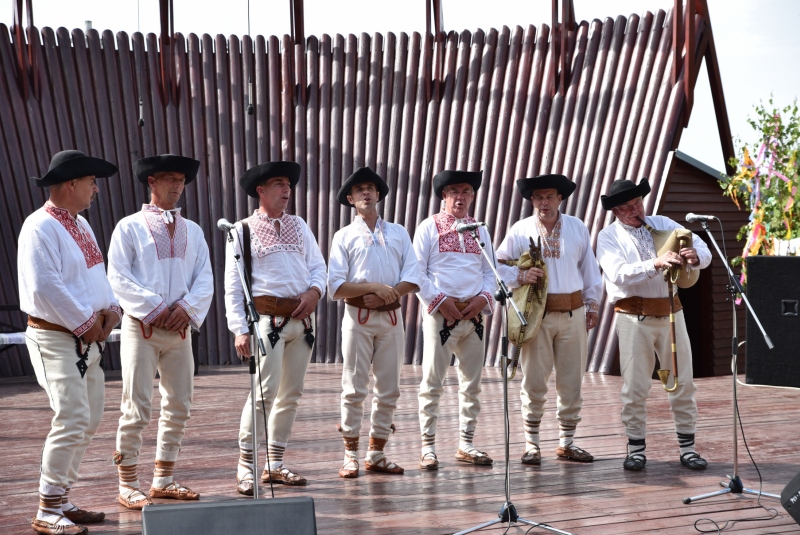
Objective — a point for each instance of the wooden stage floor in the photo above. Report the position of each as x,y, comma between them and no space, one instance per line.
598,498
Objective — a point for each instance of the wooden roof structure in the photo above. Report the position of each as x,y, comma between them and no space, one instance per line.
594,100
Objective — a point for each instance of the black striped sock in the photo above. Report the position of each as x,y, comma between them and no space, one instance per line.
636,446
686,442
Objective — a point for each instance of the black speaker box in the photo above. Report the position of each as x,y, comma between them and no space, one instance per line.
773,289
790,498
278,516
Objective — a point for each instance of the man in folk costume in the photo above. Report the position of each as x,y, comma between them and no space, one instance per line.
635,284
71,310
159,268
456,289
371,266
570,310
287,277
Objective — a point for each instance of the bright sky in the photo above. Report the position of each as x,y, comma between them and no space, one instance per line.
758,43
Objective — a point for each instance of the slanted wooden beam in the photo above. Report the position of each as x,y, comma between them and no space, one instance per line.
688,63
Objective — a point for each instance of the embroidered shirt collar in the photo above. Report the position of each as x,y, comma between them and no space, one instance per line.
50,207
370,237
168,215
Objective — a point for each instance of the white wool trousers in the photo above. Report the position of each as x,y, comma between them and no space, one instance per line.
560,344
76,401
371,340
282,377
144,351
639,344
470,351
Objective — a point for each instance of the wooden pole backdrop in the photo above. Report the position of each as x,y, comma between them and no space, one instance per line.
500,104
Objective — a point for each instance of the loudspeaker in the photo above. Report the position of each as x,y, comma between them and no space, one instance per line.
790,498
278,516
773,289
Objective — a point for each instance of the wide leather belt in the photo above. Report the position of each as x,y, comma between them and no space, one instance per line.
358,302
563,302
461,306
270,305
647,306
39,323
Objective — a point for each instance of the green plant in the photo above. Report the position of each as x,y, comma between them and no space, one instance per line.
766,184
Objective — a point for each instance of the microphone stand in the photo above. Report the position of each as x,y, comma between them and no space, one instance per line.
508,513
252,324
734,484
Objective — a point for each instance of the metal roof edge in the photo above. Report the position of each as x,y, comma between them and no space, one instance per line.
707,169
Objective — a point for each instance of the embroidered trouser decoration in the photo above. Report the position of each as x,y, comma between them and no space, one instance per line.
478,322
275,330
444,334
308,331
83,356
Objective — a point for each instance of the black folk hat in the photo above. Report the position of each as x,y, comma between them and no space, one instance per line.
448,178
561,183
622,191
71,164
255,176
166,163
361,176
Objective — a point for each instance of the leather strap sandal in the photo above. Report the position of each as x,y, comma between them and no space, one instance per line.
349,470
174,491
384,466
532,456
473,456
283,476
245,486
693,461
138,504
429,461
634,462
54,528
574,453
81,516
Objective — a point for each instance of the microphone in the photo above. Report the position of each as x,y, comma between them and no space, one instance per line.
466,227
694,218
224,225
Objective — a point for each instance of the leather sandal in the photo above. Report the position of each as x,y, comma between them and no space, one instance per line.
384,466
137,505
473,456
245,486
81,516
693,461
429,461
174,491
50,528
349,473
283,476
634,462
574,453
532,456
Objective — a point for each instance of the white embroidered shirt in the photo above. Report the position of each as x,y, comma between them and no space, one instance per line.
62,277
150,271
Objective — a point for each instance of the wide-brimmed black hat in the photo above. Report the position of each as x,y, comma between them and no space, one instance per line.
561,183
71,164
255,176
622,191
362,175
447,178
166,163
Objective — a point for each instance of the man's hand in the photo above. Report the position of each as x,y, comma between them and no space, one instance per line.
449,310
308,302
178,319
591,320
161,319
476,304
530,276
95,332
690,255
109,319
668,259
385,293
373,301
242,344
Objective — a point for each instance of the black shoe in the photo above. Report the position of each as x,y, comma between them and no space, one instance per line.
693,461
634,462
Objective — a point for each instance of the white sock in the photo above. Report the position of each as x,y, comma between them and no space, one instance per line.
65,503
50,497
244,470
373,456
529,446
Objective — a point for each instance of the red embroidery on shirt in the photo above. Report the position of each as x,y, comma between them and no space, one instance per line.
435,303
449,240
166,246
265,239
86,325
91,253
551,243
489,298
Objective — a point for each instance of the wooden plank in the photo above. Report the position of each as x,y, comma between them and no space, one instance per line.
389,163
376,96
470,98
